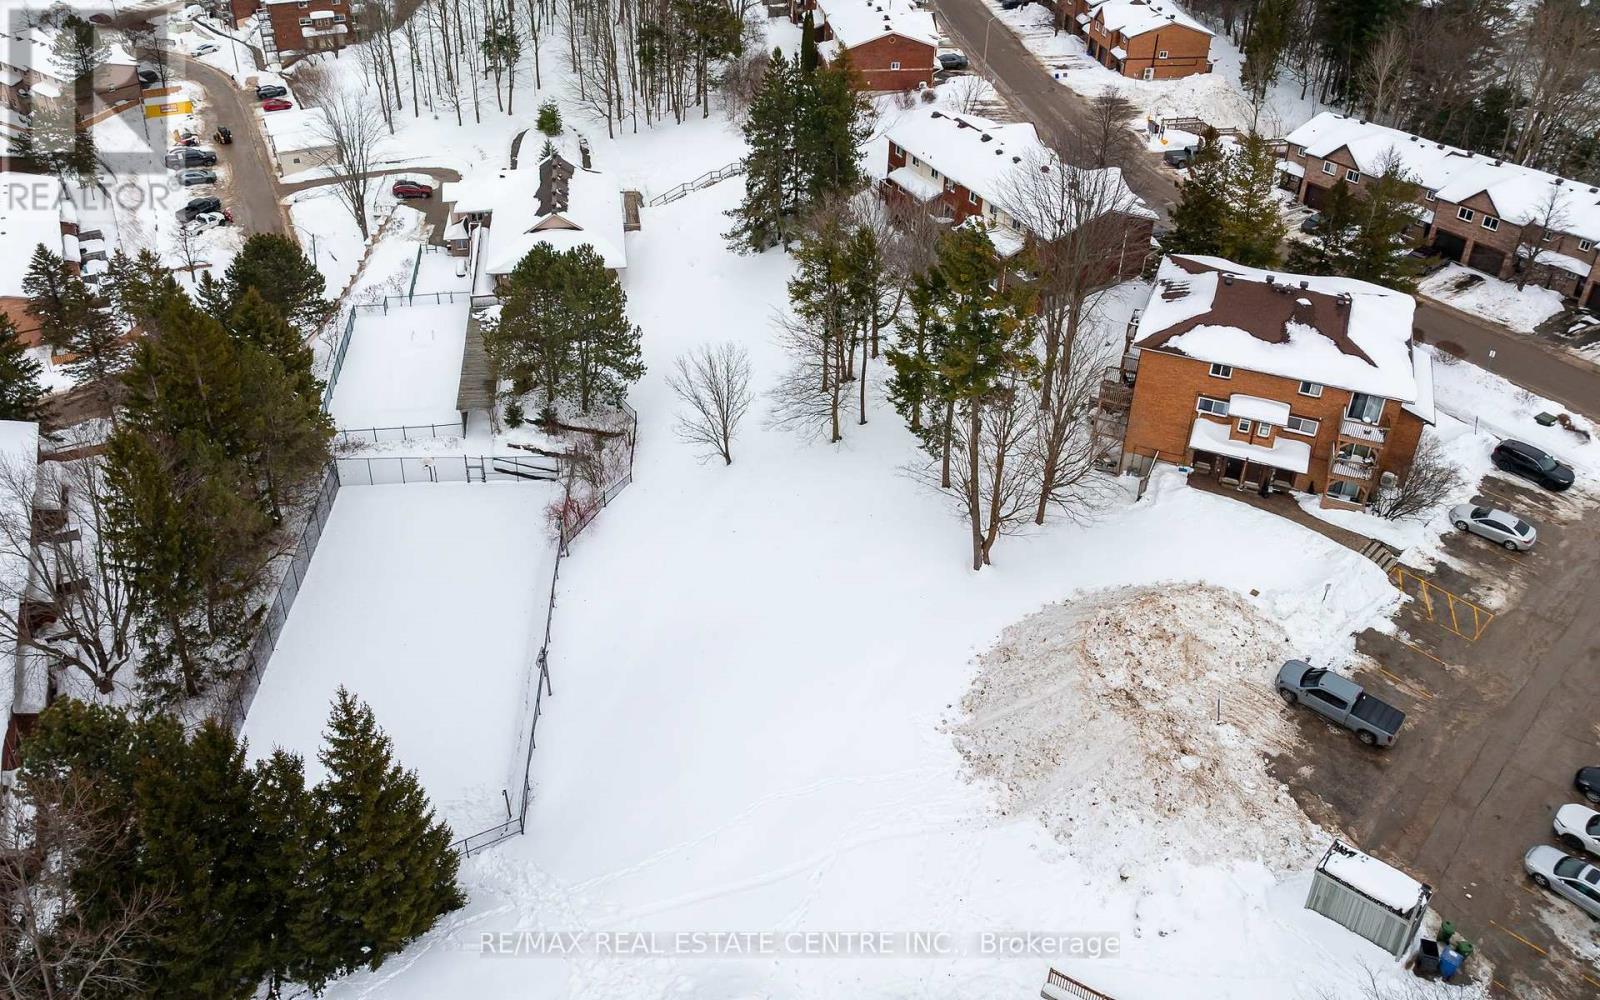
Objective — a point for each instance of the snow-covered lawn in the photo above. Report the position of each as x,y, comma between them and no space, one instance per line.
428,602
759,671
1216,97
403,366
1495,300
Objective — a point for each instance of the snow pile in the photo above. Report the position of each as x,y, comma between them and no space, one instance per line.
1100,715
1495,300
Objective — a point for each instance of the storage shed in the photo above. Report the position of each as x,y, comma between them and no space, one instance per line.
1379,902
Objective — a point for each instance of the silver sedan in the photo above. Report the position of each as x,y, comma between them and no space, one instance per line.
1496,525
1565,876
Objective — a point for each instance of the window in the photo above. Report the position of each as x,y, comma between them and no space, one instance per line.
1429,196
1327,699
935,173
1222,371
1312,389
1546,236
972,197
1586,245
1162,54
1263,430
895,150
895,64
305,22
1353,176
1300,150
1302,425
1215,407
1491,223
1365,408
1329,168
916,162
1464,214
1244,427
1343,489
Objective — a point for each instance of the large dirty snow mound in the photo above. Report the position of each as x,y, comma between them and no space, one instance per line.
1101,715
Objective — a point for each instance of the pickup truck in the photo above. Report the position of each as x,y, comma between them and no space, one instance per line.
1341,700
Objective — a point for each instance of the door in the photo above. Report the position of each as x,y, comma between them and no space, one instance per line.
1230,468
1315,195
1448,244
1487,259
1326,704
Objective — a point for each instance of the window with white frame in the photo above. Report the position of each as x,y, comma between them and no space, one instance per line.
1586,245
1222,371
935,173
896,150
1302,425
1162,54
1465,214
894,64
1312,389
1430,196
1329,168
972,197
1215,407
1491,223
916,162
1244,427
1546,236
1353,176
1263,430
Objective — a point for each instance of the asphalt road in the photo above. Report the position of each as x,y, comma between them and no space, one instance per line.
248,188
1525,360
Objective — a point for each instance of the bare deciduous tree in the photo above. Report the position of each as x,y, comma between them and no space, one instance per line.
1428,481
1103,138
713,382
1539,231
66,599
994,473
353,130
1065,439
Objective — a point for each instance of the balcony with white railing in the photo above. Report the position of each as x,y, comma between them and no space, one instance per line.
1351,468
1357,430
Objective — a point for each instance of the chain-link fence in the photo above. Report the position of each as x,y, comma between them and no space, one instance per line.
396,470
345,437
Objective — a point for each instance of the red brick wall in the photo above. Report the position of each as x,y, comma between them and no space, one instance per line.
1187,53
873,60
290,36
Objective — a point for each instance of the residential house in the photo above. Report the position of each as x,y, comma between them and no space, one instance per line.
1141,39
1489,214
1306,383
891,44
298,139
497,216
291,28
32,212
30,71
972,170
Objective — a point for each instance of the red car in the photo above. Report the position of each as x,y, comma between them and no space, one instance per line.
276,104
411,189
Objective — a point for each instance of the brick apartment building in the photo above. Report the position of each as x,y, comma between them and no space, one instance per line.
1310,383
33,212
295,27
1141,39
28,72
892,44
1485,213
965,168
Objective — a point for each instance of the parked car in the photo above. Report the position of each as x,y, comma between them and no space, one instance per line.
411,189
1587,782
1013,4
223,135
1500,527
189,178
1578,827
149,77
953,60
1429,259
1341,700
1522,459
276,104
198,207
178,159
1566,876
208,220
267,90
206,48
1178,158
185,137
1311,223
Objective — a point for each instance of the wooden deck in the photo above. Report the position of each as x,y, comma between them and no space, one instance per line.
631,201
476,389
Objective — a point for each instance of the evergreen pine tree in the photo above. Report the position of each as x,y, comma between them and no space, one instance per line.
382,870
606,356
913,359
20,391
1329,246
771,184
98,346
52,298
255,323
549,120
1270,30
1202,209
1253,227
833,123
285,828
809,58
275,267
1379,250
533,341
140,285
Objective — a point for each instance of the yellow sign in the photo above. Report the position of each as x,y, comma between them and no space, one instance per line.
166,110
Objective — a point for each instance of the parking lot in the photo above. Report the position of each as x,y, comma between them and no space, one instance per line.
1493,660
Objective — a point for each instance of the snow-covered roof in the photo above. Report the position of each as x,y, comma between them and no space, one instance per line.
857,22
1291,168
985,156
1422,371
296,129
1335,331
592,214
1283,453
1136,17
917,184
30,214
1520,194
1378,881
1268,411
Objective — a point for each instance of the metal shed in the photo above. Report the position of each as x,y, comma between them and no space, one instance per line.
1375,900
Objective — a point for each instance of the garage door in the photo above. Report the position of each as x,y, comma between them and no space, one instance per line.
1487,259
1448,244
1316,195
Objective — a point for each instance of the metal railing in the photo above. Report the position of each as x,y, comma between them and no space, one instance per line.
397,470
706,179
1362,431
1060,986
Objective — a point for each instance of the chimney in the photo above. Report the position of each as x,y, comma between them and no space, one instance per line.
1304,283
1227,279
1342,300
583,154
1271,279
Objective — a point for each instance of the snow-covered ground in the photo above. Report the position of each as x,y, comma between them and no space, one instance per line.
428,602
1216,97
1495,300
403,366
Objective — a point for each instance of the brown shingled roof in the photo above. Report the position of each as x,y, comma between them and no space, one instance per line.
1260,309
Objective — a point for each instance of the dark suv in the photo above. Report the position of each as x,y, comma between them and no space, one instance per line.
198,206
178,159
267,90
1529,462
